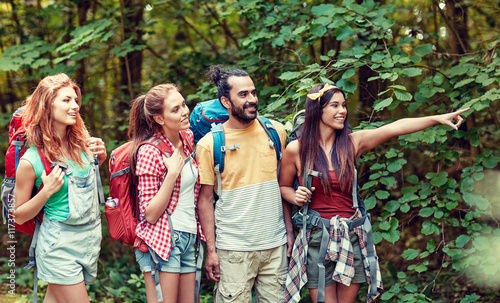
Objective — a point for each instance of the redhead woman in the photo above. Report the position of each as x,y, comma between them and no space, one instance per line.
69,240
168,186
327,146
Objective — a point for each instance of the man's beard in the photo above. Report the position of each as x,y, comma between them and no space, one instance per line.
239,112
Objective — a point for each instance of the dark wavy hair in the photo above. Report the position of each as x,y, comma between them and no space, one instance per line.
310,152
219,77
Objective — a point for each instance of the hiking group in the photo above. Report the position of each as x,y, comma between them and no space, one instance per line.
233,190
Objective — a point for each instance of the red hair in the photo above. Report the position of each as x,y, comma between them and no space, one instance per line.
39,119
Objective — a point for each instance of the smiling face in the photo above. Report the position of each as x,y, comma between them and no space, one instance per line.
65,108
243,99
175,113
334,112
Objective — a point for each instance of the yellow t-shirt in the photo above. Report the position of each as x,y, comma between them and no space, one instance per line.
249,213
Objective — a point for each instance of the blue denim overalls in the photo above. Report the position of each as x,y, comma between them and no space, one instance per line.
67,251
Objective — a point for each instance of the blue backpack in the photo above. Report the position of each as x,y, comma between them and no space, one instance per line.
208,116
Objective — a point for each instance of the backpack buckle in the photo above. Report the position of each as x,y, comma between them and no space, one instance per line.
230,147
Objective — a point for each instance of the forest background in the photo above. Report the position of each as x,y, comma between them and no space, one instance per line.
433,195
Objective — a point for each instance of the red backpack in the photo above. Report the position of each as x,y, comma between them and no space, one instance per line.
17,148
122,206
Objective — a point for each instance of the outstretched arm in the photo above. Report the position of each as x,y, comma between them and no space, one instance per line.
364,140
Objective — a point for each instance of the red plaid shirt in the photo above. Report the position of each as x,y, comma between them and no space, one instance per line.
151,172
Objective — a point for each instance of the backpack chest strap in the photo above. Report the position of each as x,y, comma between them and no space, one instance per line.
229,147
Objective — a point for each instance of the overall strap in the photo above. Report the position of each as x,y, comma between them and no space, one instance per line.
98,181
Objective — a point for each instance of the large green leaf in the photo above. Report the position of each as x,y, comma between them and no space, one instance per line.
410,254
424,49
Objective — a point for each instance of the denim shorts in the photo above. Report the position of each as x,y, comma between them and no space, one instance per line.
67,254
312,261
182,258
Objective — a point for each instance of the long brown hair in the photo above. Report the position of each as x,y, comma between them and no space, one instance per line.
142,125
38,121
310,152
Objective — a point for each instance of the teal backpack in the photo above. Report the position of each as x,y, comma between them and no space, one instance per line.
206,115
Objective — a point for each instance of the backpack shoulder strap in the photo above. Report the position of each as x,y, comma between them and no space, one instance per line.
185,136
357,201
218,136
188,137
274,138
46,166
219,150
219,146
158,144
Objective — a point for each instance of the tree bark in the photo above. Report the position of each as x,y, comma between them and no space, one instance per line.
456,20
131,64
80,74
133,13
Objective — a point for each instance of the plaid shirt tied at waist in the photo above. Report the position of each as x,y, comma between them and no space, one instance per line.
340,251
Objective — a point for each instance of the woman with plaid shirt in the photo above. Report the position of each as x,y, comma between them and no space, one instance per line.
167,186
328,146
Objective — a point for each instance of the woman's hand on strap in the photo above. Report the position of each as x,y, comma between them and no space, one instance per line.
303,195
52,182
174,164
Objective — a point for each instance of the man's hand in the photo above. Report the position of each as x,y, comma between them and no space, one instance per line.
212,267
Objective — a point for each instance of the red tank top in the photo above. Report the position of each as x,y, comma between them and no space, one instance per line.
339,203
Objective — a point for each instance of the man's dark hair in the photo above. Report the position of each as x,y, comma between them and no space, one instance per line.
219,77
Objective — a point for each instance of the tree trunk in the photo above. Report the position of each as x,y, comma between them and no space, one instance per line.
131,64
131,75
456,20
89,111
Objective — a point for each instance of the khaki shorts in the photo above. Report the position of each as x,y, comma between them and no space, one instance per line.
312,262
263,270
